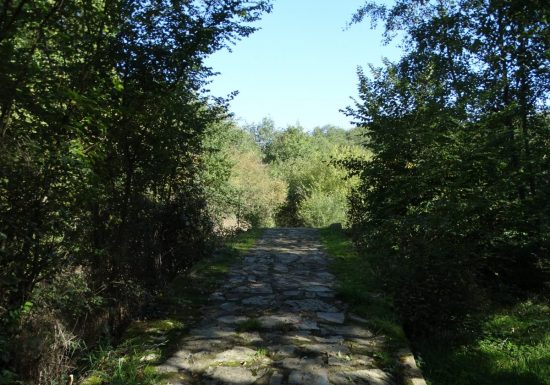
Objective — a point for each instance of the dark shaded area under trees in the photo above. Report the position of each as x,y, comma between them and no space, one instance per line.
453,208
455,201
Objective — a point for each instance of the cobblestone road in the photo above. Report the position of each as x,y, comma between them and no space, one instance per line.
276,321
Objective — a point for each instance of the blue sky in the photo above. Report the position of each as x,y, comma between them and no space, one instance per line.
301,66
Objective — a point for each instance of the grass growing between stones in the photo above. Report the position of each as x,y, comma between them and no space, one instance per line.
149,342
250,325
359,285
509,346
262,352
512,347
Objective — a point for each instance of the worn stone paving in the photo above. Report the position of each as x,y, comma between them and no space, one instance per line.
276,321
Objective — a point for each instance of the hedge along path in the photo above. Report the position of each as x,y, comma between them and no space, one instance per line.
276,321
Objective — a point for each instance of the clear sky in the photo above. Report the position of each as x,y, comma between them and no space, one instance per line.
301,66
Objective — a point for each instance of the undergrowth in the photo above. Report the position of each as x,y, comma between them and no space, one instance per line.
360,286
510,347
150,341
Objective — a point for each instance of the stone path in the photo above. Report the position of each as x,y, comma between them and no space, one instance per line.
276,321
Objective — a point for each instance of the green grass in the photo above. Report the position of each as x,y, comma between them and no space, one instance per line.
361,287
262,352
250,325
512,347
148,343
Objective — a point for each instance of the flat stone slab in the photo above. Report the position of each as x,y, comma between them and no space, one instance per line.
280,268
190,362
330,339
232,319
217,296
277,321
237,354
305,364
318,288
251,337
255,288
356,318
298,338
347,330
282,350
366,376
308,324
287,259
329,349
352,361
339,361
335,318
199,345
310,305
229,306
231,375
373,344
210,332
298,377
292,293
325,294
258,301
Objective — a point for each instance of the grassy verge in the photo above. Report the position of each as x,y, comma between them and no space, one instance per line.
361,287
148,343
512,347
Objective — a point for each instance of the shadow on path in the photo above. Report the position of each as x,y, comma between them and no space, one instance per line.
276,321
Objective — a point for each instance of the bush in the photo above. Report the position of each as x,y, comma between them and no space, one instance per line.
320,209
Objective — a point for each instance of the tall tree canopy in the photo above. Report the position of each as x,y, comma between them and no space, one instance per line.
102,119
455,197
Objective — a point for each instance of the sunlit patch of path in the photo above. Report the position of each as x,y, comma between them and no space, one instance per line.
276,321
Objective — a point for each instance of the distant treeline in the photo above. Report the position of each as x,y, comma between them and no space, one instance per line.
263,176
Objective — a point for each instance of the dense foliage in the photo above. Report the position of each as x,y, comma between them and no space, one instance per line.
455,199
102,121
262,176
309,163
242,190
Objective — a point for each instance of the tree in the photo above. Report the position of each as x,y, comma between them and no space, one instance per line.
242,190
102,124
317,185
453,197
263,132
